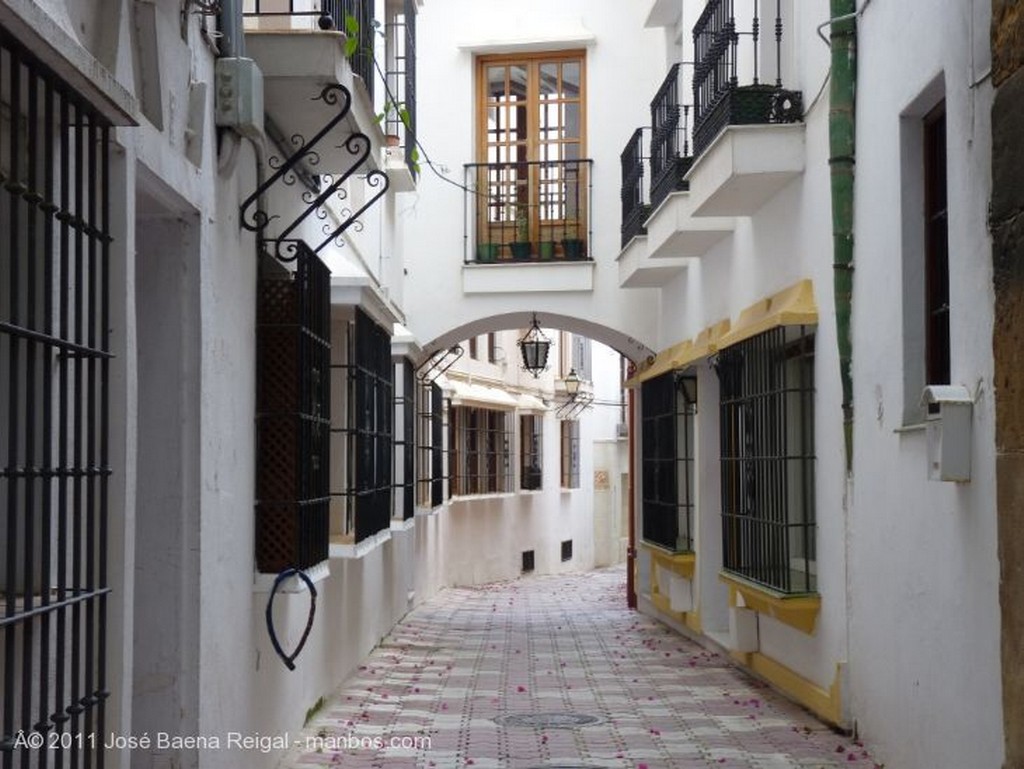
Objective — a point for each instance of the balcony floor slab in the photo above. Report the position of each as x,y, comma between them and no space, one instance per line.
744,167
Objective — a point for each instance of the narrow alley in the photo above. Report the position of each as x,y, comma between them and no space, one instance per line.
555,671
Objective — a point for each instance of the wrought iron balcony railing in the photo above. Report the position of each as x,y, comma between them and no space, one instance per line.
636,206
670,138
719,98
329,15
528,211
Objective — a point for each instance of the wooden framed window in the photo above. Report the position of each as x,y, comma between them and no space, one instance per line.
531,150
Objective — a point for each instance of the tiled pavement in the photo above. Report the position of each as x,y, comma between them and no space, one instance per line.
556,645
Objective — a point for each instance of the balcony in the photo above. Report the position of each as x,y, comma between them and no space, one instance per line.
718,96
301,46
528,212
747,140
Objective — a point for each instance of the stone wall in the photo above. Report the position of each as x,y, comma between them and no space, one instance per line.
1007,223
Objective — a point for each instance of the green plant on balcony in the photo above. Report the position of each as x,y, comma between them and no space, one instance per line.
394,110
521,245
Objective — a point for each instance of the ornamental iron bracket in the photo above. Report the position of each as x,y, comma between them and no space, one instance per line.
255,219
438,363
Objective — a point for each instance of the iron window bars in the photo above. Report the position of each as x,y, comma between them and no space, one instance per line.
55,270
430,448
292,412
718,97
767,463
530,455
570,453
368,428
405,406
668,420
480,460
528,210
330,14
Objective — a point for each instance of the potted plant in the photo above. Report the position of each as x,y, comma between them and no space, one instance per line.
521,245
546,250
575,249
487,252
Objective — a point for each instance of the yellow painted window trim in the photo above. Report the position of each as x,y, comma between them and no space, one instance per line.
797,611
682,564
793,306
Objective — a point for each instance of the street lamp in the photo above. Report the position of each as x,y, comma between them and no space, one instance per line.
572,384
534,347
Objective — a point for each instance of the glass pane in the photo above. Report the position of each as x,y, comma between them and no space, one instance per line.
496,82
571,120
517,82
571,80
548,81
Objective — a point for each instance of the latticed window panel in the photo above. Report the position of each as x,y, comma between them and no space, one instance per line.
767,462
293,413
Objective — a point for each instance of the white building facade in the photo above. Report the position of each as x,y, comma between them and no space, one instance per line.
261,390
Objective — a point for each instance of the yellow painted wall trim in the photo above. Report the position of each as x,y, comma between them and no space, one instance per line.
681,354
824,703
797,611
682,564
793,306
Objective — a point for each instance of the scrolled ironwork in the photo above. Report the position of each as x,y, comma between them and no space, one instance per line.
374,179
333,94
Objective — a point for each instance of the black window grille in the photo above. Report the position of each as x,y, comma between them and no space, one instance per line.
405,404
369,427
531,460
480,460
436,445
570,459
54,416
668,412
293,377
767,466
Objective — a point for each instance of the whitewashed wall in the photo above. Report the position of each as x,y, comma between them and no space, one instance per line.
924,628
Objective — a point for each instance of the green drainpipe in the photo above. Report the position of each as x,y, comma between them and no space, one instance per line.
841,160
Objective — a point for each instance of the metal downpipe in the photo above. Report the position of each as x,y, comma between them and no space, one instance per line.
841,129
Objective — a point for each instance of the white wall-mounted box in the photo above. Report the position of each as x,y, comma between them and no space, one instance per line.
948,431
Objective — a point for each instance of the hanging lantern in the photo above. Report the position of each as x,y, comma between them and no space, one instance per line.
572,384
534,347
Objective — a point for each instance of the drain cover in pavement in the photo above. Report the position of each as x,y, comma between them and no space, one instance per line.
548,720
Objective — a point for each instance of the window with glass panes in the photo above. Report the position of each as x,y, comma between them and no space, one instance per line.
531,148
480,452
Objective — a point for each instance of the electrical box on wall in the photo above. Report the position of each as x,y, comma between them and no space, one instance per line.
948,430
238,100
